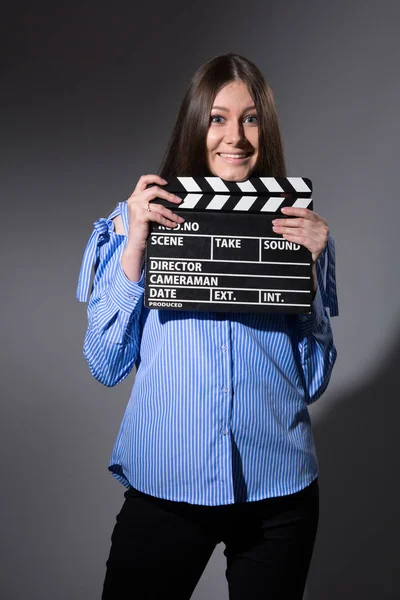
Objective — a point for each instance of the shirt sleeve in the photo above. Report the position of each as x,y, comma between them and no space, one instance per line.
317,349
112,338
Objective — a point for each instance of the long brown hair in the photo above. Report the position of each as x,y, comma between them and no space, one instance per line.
186,151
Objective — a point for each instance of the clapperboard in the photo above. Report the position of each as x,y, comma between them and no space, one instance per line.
225,255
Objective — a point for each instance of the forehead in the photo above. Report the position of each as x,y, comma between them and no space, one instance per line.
234,95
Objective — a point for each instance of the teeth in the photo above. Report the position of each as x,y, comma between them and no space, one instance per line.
233,155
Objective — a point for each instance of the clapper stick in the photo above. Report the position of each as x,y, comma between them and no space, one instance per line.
225,256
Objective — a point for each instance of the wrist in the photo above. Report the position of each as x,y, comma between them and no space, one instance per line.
132,260
135,246
134,251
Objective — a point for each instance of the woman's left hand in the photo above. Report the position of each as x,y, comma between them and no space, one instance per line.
308,229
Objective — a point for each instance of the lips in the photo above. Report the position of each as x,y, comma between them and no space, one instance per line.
234,155
235,159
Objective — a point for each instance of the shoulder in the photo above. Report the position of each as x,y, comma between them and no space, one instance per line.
118,225
119,219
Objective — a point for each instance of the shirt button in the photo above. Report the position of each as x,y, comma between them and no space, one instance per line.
224,432
224,347
225,389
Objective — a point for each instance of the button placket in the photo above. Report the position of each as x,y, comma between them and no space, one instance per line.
225,380
224,408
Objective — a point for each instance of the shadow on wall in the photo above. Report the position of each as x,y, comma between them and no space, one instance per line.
358,443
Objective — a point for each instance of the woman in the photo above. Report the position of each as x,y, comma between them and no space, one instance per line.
216,442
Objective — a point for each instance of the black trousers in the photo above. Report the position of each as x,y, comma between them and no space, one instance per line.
160,548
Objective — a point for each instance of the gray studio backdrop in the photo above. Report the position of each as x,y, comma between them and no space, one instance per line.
90,96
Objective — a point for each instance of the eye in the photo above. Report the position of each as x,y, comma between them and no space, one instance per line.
216,117
254,117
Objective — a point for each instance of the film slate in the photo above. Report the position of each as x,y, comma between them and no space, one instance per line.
225,256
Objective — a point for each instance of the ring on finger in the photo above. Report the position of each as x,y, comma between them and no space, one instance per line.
148,207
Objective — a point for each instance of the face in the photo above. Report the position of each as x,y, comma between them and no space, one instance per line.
232,138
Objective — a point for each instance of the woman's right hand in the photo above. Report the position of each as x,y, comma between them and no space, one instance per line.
141,213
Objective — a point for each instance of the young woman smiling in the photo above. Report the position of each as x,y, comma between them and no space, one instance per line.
216,442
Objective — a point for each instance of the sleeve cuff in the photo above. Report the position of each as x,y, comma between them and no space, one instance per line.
310,323
126,294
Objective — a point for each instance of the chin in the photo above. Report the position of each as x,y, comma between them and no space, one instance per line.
231,172
234,174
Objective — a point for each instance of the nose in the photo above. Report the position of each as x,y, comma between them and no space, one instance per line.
234,132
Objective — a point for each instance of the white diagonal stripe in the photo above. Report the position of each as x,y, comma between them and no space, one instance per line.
217,184
272,204
190,201
217,202
246,186
245,202
189,184
302,202
299,184
271,184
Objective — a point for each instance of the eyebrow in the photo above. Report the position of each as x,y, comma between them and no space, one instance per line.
227,109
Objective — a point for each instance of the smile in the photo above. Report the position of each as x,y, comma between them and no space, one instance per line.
234,158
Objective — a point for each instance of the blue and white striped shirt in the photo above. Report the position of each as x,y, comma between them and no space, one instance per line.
218,410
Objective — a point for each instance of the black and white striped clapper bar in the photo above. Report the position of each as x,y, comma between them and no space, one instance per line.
225,255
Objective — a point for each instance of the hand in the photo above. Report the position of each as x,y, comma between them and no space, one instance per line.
140,218
142,213
309,229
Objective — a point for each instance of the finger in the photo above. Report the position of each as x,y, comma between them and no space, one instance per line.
165,212
141,199
315,247
304,232
145,180
156,192
283,225
305,213
295,222
156,217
